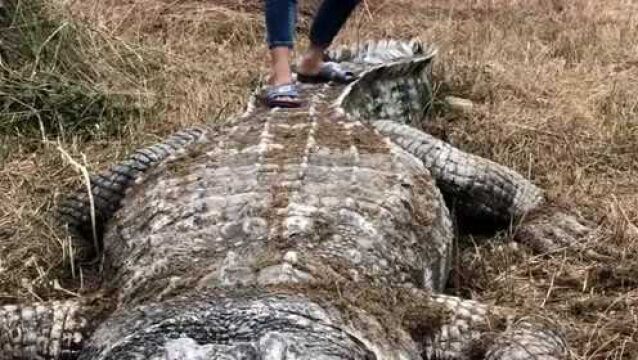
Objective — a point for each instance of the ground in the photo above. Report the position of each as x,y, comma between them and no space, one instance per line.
553,83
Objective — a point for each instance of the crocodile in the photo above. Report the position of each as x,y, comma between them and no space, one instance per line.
322,232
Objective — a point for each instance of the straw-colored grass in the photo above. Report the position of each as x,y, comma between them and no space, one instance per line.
554,85
59,78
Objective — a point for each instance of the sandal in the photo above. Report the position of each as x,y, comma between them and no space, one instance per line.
329,71
284,96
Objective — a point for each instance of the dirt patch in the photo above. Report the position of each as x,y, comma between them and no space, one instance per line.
246,135
286,153
425,213
368,141
333,136
395,308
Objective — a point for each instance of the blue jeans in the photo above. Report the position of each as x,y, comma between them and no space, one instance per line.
281,19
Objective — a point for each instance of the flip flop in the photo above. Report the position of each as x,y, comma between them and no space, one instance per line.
329,71
284,96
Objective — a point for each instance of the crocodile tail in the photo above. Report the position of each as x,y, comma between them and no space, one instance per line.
86,215
395,80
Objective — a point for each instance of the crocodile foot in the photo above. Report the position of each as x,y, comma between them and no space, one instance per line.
551,229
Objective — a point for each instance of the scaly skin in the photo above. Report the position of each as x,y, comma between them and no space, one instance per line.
57,329
309,182
108,187
481,188
265,238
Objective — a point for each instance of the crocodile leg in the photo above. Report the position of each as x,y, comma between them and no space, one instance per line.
50,330
479,188
396,90
551,229
483,190
395,85
108,188
524,341
475,330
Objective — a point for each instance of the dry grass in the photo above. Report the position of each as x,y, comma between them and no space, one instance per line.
554,84
59,78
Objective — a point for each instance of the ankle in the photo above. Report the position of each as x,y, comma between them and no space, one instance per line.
281,74
311,62
280,66
280,80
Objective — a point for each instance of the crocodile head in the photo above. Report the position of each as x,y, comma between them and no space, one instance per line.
394,80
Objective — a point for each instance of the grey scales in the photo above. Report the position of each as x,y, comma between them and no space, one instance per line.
322,232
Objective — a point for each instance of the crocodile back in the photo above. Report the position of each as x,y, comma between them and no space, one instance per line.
281,196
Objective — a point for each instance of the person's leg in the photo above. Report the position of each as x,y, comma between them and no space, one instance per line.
280,58
330,18
281,17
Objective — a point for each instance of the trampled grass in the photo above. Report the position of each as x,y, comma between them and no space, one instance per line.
554,86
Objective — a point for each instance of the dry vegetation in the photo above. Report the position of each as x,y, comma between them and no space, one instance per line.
554,84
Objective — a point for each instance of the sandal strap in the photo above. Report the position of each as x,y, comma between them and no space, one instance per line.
334,71
285,90
335,68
